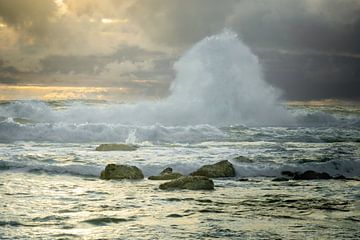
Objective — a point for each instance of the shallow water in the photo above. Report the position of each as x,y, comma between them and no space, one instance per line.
64,207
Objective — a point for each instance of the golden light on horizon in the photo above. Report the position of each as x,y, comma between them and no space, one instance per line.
12,92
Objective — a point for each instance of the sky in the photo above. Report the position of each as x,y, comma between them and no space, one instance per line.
125,49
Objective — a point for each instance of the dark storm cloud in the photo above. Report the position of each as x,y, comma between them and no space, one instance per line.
180,23
313,76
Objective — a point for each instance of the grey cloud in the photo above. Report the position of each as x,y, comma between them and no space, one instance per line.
180,23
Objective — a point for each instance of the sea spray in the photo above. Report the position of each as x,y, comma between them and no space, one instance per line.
219,81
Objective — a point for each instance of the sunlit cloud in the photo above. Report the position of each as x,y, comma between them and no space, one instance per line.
109,20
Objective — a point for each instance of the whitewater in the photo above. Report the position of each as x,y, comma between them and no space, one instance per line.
219,107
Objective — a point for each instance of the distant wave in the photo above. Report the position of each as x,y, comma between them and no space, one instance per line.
94,132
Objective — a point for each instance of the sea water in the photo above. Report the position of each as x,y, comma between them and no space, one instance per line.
219,107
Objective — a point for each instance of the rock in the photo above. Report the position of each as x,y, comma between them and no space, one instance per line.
217,170
166,170
116,147
311,175
114,171
22,120
280,179
243,159
340,177
243,180
190,183
288,173
166,174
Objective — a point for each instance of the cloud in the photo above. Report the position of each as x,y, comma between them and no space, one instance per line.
126,69
120,41
48,29
30,16
180,23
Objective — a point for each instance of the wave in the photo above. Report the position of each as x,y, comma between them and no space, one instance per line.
32,167
95,132
318,118
347,168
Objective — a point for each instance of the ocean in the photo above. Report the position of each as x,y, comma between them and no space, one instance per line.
219,108
50,186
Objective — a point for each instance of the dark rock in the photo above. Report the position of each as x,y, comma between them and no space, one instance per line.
243,180
114,171
174,215
116,147
340,177
243,159
166,170
166,174
190,183
311,175
280,179
217,170
288,173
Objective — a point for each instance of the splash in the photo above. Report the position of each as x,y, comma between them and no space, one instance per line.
219,81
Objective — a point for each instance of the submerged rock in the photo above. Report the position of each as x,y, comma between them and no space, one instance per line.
22,120
307,175
288,173
116,147
114,171
166,174
243,159
217,170
243,180
190,183
280,179
340,177
310,175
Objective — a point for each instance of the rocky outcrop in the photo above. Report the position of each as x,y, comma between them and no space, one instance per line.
311,175
307,175
116,147
280,179
166,174
114,171
217,170
190,183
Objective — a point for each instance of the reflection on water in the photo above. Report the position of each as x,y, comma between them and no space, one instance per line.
62,207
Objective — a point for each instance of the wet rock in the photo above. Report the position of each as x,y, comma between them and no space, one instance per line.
166,174
280,179
243,180
311,175
340,177
174,215
114,171
288,173
243,159
22,120
217,170
116,147
190,183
